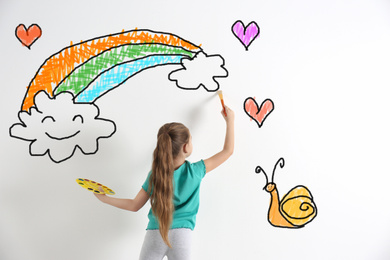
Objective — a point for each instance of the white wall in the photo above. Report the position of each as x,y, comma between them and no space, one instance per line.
325,64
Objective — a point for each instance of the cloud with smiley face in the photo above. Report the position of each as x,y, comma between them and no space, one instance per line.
58,126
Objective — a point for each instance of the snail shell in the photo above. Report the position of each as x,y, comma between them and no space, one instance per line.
298,207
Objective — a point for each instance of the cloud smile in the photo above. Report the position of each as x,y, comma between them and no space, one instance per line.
62,138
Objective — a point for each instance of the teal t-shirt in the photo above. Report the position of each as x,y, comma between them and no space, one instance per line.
186,186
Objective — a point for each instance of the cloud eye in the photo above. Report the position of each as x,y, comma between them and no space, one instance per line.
78,118
48,119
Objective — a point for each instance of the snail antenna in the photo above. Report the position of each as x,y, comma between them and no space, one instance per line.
280,162
259,169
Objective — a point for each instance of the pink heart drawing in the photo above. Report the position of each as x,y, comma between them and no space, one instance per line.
256,112
246,34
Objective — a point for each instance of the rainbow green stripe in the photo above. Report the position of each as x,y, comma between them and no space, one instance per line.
80,78
117,75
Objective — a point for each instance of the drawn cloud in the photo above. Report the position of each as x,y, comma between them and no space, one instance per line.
202,70
57,126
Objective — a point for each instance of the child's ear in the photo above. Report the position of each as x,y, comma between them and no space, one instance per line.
185,148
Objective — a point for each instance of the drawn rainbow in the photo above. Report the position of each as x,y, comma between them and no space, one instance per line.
92,68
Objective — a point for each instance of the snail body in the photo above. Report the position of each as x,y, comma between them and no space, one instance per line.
295,209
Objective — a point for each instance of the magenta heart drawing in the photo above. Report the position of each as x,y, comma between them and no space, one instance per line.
256,112
246,34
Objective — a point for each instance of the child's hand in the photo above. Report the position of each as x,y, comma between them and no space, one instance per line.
101,195
229,117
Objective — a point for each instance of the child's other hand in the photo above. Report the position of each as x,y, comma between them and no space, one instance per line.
229,117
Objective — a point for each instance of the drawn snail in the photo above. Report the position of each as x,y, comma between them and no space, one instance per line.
295,210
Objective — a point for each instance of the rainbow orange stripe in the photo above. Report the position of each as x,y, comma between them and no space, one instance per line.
56,68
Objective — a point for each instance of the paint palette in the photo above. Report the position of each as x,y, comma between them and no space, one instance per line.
94,186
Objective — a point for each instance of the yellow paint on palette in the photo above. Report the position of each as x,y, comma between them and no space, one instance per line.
94,186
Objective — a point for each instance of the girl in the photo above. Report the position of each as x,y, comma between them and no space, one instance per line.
173,189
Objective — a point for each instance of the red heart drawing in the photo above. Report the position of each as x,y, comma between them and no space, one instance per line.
256,112
28,36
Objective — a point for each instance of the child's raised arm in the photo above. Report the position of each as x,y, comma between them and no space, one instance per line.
228,148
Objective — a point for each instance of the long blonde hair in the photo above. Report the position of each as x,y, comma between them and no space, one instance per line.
170,139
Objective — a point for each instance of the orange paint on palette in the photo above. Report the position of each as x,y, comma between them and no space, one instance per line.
256,112
58,66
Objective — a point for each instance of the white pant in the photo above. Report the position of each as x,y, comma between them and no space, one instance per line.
154,247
